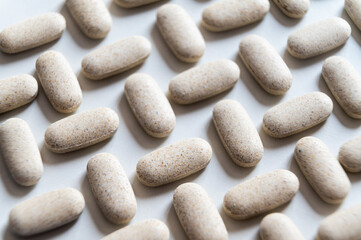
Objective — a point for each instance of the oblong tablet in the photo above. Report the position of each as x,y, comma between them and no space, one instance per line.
151,229
46,212
353,9
322,170
150,105
318,38
92,16
116,57
204,81
17,91
59,82
180,33
81,130
225,15
20,152
344,82
297,115
237,133
174,162
31,33
293,8
341,225
350,155
198,215
133,3
260,194
277,226
111,188
265,64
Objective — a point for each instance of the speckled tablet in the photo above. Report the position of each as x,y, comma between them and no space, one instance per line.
81,130
318,38
180,33
350,155
260,194
237,133
297,115
133,3
31,33
20,152
204,81
293,8
150,105
225,15
174,162
353,9
17,91
116,57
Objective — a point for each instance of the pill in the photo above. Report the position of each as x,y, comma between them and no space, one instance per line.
59,82
92,16
133,3
277,226
151,229
265,64
46,212
204,81
17,91
198,215
350,155
353,9
297,115
341,225
260,194
174,162
318,38
111,188
293,8
81,130
180,33
116,57
150,105
322,170
225,15
344,82
237,133
31,33
20,152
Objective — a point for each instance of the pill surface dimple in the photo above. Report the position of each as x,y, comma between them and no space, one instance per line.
225,15
133,3
174,162
265,64
46,212
17,91
322,170
297,115
293,8
116,57
237,133
204,81
341,225
180,33
151,229
260,194
277,226
344,82
318,38
81,130
150,105
350,155
111,188
20,152
31,33
92,16
198,215
353,9
59,82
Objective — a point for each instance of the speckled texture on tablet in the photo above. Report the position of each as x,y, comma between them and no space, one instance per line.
350,155
293,8
353,9
133,3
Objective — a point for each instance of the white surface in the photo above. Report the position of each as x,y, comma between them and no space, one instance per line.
130,142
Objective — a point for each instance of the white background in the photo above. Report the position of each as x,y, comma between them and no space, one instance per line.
130,143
